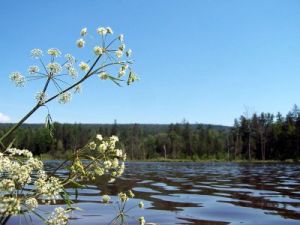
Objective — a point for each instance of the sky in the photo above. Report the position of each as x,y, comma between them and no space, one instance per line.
204,61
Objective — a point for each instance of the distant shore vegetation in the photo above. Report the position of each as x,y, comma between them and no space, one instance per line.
259,137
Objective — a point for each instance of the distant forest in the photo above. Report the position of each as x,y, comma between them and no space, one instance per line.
255,137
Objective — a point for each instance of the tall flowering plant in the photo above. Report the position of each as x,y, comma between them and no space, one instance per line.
24,183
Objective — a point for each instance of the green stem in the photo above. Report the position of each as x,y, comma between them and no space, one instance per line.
5,219
38,105
87,75
12,129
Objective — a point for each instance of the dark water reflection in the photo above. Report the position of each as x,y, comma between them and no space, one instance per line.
200,193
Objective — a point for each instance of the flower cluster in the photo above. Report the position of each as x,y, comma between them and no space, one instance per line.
17,78
9,206
48,188
64,97
18,169
58,217
123,197
104,159
112,51
109,52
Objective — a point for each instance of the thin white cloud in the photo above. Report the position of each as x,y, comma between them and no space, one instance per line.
4,118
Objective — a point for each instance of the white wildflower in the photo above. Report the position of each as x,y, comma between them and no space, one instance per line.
101,31
49,189
122,47
9,206
103,75
41,97
119,53
107,164
35,163
64,97
31,203
103,147
99,171
18,79
130,194
105,199
36,53
7,185
72,72
142,220
54,52
33,69
121,169
83,31
58,217
141,204
98,50
119,152
80,43
115,163
114,139
123,196
122,70
19,152
54,68
84,66
129,52
109,30
121,37
70,58
92,145
99,137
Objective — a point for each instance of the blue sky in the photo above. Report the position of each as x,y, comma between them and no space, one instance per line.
205,61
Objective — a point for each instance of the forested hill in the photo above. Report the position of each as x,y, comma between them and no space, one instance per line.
148,128
141,141
260,136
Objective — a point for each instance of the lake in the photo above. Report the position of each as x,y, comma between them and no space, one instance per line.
198,193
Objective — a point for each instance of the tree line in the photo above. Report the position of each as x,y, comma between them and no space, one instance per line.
266,136
140,141
257,137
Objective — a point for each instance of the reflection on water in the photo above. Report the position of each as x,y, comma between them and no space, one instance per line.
200,193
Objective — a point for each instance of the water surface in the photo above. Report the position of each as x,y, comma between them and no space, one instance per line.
198,193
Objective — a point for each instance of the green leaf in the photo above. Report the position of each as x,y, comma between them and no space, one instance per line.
115,80
76,193
49,125
66,198
11,143
77,185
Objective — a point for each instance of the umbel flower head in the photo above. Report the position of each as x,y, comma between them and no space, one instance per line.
18,79
110,163
63,74
80,43
54,52
20,168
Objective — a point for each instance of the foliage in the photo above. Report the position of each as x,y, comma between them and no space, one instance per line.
266,137
139,141
25,184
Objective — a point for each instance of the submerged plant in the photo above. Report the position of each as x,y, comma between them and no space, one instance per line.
25,184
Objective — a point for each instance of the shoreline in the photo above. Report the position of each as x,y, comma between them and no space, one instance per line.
48,157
